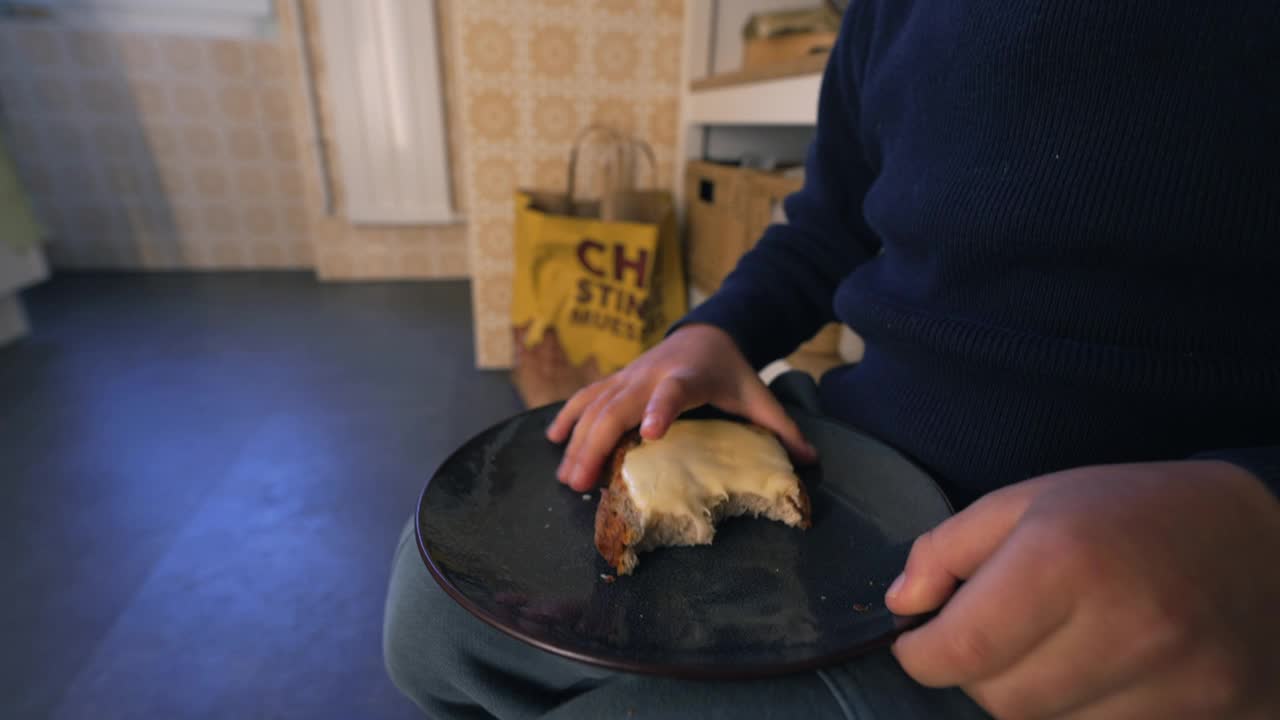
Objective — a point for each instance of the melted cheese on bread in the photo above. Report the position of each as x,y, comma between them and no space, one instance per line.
698,464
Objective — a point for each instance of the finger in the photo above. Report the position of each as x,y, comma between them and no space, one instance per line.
954,550
621,413
762,408
558,430
671,397
1009,606
581,429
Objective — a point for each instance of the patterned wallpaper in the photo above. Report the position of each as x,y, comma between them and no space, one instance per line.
145,151
159,152
531,74
166,152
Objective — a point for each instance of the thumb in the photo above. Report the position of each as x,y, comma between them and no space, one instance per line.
763,409
955,549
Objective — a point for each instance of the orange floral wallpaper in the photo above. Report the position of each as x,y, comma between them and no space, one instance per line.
147,151
530,74
155,152
167,152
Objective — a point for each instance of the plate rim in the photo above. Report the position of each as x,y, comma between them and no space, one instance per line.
687,671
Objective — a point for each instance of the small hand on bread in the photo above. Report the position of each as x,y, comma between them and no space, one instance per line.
697,365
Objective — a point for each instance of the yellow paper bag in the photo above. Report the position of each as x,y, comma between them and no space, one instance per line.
608,288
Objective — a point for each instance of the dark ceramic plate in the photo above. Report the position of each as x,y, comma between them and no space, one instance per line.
514,547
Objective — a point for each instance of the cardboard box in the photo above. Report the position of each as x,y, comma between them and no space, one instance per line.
764,52
728,210
716,233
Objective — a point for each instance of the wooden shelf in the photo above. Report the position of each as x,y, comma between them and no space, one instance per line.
770,111
781,94
809,65
786,101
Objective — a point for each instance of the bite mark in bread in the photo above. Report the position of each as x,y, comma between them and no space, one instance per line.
623,529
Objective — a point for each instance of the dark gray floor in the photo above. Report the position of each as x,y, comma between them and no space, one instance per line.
201,481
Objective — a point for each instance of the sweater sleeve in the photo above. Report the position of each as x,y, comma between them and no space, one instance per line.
1264,462
781,292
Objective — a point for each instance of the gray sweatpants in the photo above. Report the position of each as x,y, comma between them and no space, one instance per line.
455,666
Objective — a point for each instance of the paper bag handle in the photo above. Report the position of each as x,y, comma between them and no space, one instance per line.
620,145
647,151
574,153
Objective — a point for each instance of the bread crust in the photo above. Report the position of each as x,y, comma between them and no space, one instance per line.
617,532
614,533
804,508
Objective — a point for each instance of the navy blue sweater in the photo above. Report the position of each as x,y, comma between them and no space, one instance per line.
1057,227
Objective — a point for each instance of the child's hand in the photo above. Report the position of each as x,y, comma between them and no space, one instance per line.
696,365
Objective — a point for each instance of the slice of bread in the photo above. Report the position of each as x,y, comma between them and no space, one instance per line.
712,488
